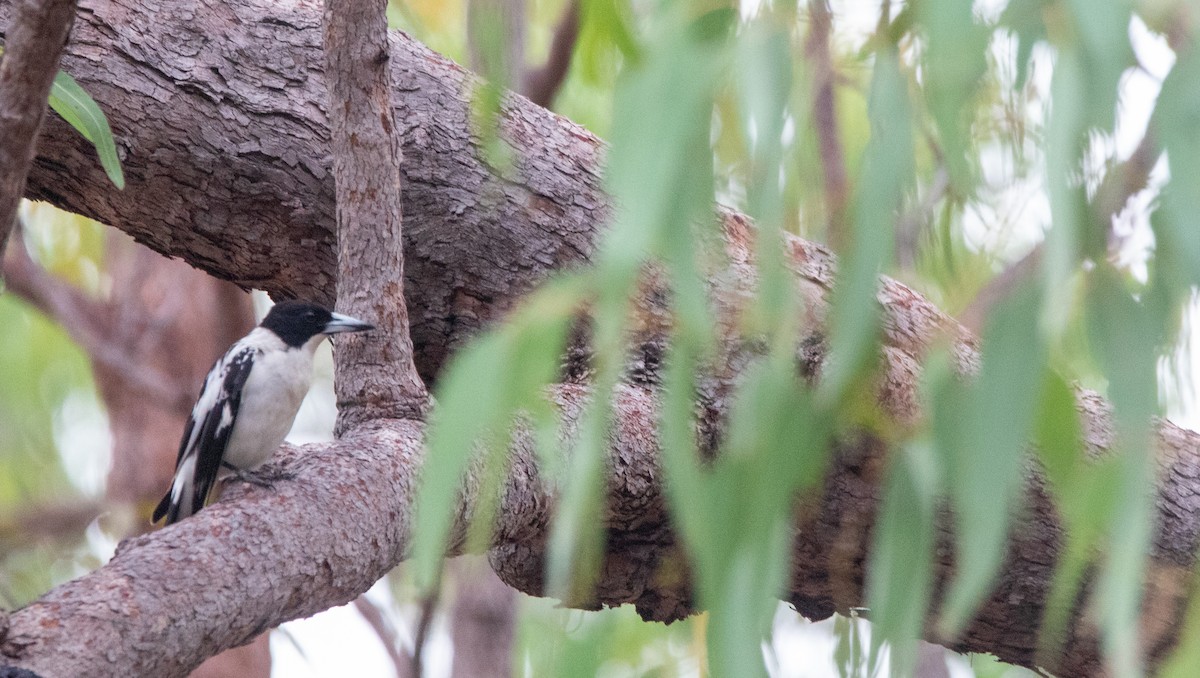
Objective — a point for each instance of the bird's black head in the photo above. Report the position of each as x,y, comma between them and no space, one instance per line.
298,321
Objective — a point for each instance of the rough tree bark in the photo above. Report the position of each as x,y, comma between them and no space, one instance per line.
376,375
229,172
33,46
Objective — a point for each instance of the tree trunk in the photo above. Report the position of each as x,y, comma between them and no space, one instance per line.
218,110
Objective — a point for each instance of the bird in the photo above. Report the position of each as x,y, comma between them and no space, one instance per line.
248,403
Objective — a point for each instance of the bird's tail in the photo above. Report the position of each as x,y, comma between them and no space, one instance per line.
183,499
174,507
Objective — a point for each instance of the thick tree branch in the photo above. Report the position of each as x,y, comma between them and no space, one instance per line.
33,45
214,175
227,162
287,561
376,375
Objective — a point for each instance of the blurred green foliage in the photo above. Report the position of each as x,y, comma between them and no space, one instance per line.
971,137
574,644
40,369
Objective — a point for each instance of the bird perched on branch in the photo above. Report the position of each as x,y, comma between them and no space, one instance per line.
248,402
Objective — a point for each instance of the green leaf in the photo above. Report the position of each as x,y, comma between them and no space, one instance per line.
604,25
762,59
469,397
1100,31
1063,244
984,457
887,173
1176,124
660,166
736,517
487,385
901,560
1127,337
1024,18
80,111
660,176
955,62
576,541
75,106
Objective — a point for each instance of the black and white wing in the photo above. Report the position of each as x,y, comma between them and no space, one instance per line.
206,435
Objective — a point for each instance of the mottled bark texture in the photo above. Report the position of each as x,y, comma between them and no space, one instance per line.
33,44
217,108
376,377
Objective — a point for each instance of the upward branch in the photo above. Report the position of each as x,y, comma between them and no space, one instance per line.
376,375
33,46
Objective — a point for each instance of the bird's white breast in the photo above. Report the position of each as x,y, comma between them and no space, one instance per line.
275,387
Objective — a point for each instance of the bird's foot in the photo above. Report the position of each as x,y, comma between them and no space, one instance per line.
264,477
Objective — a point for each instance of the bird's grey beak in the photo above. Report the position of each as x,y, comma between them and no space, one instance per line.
344,323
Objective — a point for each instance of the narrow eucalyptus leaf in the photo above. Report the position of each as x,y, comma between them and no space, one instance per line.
986,475
78,108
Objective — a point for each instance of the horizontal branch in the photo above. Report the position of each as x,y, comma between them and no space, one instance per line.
227,162
266,557
226,167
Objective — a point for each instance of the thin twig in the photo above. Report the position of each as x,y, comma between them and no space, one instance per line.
1120,184
373,615
833,164
51,520
429,605
999,288
541,85
908,228
1124,181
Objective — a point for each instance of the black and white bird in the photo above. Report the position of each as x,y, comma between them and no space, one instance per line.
249,401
